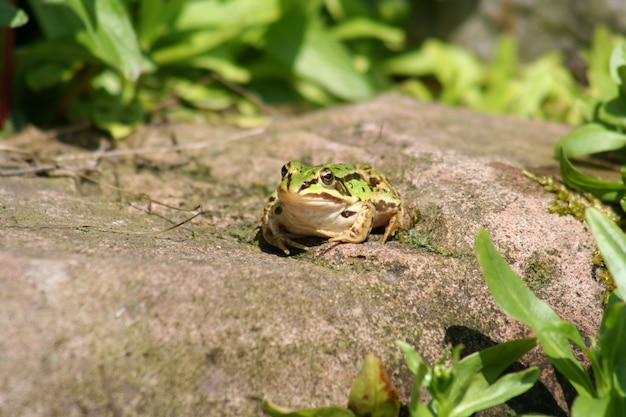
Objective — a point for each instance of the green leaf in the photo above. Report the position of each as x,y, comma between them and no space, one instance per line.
56,19
11,16
308,49
588,139
476,372
613,112
109,35
604,190
202,14
611,242
181,47
64,50
363,27
48,74
419,368
276,411
481,396
588,406
617,66
102,27
519,302
372,392
598,57
610,352
494,360
155,18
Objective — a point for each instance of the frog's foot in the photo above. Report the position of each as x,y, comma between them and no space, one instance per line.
395,223
281,241
285,241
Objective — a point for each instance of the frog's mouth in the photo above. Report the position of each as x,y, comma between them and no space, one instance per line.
314,199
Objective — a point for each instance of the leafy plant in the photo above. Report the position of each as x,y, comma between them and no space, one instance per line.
542,89
605,395
470,384
113,63
118,63
459,389
604,133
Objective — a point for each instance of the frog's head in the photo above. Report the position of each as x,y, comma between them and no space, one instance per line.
317,183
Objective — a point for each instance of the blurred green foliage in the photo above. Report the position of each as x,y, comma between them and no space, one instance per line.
119,63
604,133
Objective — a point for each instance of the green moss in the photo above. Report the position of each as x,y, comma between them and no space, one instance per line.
569,202
419,240
538,270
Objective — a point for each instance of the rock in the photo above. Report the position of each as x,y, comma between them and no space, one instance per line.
104,311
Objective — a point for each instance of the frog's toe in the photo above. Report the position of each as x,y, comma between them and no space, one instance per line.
283,242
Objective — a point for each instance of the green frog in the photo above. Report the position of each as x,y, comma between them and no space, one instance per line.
336,201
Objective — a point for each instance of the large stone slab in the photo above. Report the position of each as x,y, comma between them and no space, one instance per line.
104,311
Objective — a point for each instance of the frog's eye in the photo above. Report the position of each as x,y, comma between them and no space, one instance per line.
326,175
283,171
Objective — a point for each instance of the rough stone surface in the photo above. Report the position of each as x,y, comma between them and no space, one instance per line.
104,312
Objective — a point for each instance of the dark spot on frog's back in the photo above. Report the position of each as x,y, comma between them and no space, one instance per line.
350,177
374,182
278,210
272,199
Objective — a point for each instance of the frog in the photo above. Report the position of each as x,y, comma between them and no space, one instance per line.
340,202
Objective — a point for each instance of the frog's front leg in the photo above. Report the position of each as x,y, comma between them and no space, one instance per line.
273,232
363,213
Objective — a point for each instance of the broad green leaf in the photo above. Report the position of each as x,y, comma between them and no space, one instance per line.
49,74
276,411
155,18
201,96
362,27
102,27
611,379
64,50
611,242
477,371
372,392
56,19
617,66
502,390
11,16
604,190
413,63
202,14
597,57
588,406
588,139
221,61
456,68
613,112
307,48
181,47
519,302
109,35
494,360
505,58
